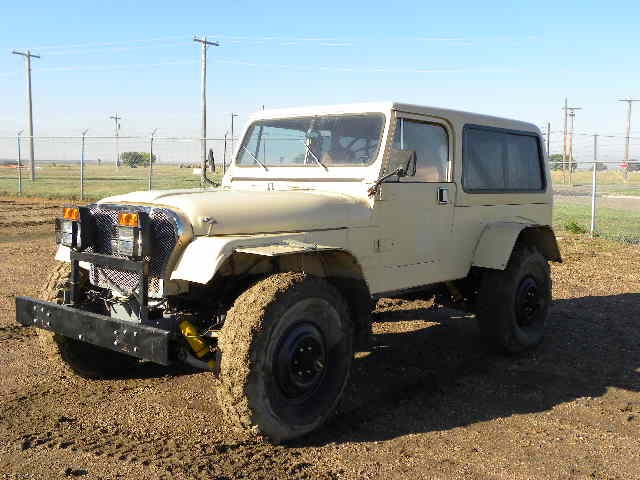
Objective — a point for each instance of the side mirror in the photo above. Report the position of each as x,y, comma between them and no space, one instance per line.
403,162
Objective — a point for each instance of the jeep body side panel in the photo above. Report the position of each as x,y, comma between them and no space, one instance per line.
205,256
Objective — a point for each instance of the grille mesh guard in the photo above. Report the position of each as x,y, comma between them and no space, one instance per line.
164,237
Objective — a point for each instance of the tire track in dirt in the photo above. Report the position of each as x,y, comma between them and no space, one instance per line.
35,422
198,459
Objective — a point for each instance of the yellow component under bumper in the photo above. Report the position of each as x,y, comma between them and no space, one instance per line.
200,348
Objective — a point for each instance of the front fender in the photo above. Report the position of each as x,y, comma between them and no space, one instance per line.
497,241
202,258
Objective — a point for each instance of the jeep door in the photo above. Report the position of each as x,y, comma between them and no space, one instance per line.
414,214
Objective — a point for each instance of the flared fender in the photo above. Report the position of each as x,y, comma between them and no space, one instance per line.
498,240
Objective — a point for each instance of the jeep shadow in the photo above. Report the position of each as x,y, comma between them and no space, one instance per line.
442,375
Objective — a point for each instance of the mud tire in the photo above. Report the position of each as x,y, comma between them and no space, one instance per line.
69,355
501,316
257,330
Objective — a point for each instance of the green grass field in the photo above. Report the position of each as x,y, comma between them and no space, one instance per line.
611,182
63,181
615,224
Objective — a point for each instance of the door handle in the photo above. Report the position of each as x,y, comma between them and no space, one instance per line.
443,195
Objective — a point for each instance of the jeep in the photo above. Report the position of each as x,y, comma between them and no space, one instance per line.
268,280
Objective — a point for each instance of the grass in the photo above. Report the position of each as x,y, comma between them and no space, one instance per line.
609,183
63,181
612,223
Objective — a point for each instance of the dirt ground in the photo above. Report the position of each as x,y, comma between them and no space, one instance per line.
428,400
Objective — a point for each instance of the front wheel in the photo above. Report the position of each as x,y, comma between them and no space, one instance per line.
513,304
84,359
286,356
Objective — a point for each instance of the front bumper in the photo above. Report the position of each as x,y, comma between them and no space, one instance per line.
132,339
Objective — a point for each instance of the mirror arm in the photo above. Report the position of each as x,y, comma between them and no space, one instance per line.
374,188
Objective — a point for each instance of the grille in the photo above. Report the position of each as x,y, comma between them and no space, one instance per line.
164,237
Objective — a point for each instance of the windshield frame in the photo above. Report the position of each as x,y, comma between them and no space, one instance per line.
374,157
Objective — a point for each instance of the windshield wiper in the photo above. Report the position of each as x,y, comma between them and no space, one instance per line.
315,157
254,157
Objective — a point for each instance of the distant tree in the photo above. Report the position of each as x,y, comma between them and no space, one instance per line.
601,167
556,163
136,159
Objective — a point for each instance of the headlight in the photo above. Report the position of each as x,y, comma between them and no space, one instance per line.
64,232
75,228
130,240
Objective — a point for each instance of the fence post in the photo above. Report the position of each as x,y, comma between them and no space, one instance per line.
19,165
594,185
84,133
151,158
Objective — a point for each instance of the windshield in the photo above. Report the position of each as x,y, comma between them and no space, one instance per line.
314,141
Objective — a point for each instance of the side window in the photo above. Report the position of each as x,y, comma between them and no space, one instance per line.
496,160
431,144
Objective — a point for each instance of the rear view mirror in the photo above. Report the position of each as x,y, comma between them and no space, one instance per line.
403,162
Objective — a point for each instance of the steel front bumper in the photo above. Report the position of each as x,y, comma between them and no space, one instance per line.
136,340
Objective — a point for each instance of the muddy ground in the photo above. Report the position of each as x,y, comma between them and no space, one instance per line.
428,400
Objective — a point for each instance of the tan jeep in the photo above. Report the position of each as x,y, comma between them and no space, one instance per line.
269,280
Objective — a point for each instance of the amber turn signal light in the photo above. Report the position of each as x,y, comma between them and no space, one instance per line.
128,219
71,213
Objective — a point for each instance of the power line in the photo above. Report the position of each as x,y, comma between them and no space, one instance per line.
107,44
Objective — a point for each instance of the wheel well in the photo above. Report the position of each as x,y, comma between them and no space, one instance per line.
339,268
543,238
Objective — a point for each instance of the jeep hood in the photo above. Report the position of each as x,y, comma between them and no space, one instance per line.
250,212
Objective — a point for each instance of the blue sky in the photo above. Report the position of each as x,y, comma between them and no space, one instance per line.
516,59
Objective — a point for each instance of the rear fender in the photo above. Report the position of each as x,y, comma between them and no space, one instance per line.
498,240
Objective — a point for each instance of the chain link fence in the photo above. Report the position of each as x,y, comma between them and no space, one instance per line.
89,168
604,201
596,190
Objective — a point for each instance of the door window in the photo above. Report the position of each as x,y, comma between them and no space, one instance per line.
431,144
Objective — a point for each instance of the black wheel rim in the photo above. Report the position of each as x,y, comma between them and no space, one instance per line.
300,361
528,302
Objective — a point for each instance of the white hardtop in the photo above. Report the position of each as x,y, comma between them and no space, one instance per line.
455,116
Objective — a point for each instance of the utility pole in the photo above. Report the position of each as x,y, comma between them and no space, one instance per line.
593,185
564,145
572,115
233,139
628,133
19,165
116,126
84,134
224,154
548,138
203,80
153,134
28,55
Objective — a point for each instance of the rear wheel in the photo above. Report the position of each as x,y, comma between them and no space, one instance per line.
513,304
81,358
286,356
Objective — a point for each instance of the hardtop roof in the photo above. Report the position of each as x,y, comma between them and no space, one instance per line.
455,116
